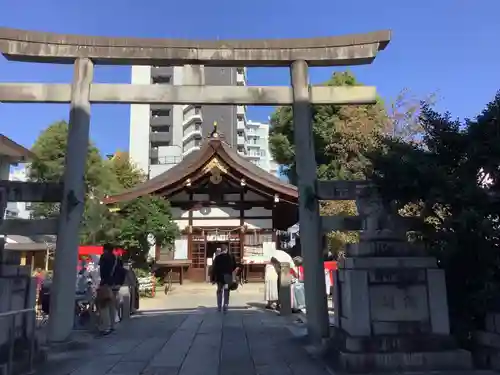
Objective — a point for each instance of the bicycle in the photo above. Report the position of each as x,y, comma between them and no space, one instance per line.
168,282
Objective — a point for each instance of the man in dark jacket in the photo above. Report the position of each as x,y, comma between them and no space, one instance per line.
108,264
223,269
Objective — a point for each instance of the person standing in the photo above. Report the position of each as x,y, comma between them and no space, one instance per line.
271,286
223,268
106,298
297,286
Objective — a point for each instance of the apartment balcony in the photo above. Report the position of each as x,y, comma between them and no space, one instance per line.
166,160
160,121
242,151
191,116
162,74
253,155
192,132
241,110
190,150
163,138
241,125
241,77
160,107
160,129
240,140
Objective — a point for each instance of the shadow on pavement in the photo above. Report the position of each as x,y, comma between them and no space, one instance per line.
191,341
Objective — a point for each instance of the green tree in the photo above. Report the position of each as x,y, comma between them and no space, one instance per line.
129,226
125,175
99,224
141,217
48,165
441,176
343,136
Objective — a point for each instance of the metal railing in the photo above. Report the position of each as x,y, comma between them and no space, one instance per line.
29,330
162,160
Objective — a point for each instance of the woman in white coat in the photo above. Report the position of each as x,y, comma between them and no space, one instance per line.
271,286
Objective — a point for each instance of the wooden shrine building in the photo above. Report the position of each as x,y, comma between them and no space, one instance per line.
218,197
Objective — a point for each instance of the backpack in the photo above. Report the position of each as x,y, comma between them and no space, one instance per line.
119,273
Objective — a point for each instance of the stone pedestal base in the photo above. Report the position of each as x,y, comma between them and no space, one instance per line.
392,314
396,353
487,343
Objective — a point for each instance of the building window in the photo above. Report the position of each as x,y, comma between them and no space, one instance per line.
162,80
160,112
155,144
262,152
160,128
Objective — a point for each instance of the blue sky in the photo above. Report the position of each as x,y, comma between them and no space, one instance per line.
445,46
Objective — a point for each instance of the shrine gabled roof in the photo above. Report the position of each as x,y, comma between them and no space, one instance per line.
197,160
14,151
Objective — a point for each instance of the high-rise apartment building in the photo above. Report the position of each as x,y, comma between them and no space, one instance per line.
257,145
161,135
17,209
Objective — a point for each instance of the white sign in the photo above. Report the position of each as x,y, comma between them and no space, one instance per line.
145,283
221,238
217,237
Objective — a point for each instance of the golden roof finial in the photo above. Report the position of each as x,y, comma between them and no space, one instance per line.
214,133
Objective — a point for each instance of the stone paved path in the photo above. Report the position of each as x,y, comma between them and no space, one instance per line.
183,334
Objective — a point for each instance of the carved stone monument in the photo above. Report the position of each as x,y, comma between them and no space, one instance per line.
390,300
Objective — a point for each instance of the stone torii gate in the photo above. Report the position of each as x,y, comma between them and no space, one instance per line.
84,52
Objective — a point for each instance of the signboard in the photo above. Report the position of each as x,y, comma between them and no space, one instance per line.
251,251
145,284
222,237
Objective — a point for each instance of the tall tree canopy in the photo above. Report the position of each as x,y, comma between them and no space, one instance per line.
443,176
343,137
48,165
141,217
128,227
125,174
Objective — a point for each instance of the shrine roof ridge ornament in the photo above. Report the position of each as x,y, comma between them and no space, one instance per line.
355,49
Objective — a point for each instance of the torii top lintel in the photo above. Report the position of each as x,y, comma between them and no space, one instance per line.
356,49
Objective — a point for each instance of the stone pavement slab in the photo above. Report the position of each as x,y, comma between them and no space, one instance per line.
182,335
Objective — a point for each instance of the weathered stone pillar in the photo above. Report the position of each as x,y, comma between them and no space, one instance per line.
285,294
72,205
309,219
